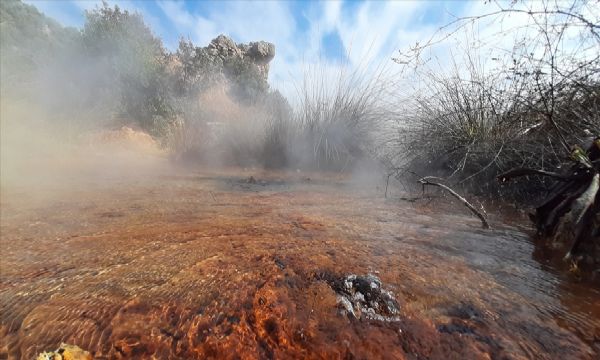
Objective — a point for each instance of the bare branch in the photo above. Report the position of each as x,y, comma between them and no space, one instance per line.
430,180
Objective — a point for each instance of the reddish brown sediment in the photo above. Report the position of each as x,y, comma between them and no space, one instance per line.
212,265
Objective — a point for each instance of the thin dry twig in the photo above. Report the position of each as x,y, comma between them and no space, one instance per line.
430,180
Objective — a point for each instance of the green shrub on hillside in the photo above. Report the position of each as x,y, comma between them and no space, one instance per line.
132,61
29,41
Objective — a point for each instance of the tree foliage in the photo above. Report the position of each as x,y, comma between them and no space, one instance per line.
28,42
132,61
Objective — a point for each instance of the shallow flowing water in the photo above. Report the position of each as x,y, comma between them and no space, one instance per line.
225,265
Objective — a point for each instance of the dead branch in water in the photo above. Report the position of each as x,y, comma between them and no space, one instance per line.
572,209
430,180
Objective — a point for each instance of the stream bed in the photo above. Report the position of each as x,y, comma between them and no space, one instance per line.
256,265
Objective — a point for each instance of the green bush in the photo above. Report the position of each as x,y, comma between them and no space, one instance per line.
132,61
29,42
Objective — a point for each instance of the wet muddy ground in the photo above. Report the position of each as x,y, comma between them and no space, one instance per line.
247,265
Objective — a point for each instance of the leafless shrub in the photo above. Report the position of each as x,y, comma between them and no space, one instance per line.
524,104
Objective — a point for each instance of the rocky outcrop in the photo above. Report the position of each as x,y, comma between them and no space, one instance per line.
261,52
243,67
363,297
257,54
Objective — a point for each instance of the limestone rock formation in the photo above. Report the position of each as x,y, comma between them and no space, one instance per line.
258,53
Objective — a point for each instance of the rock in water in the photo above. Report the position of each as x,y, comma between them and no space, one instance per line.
364,297
65,352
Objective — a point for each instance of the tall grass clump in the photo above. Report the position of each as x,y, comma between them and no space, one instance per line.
341,116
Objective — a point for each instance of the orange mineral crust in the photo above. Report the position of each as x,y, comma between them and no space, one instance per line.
256,265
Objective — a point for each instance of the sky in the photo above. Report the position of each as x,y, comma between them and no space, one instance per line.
329,34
